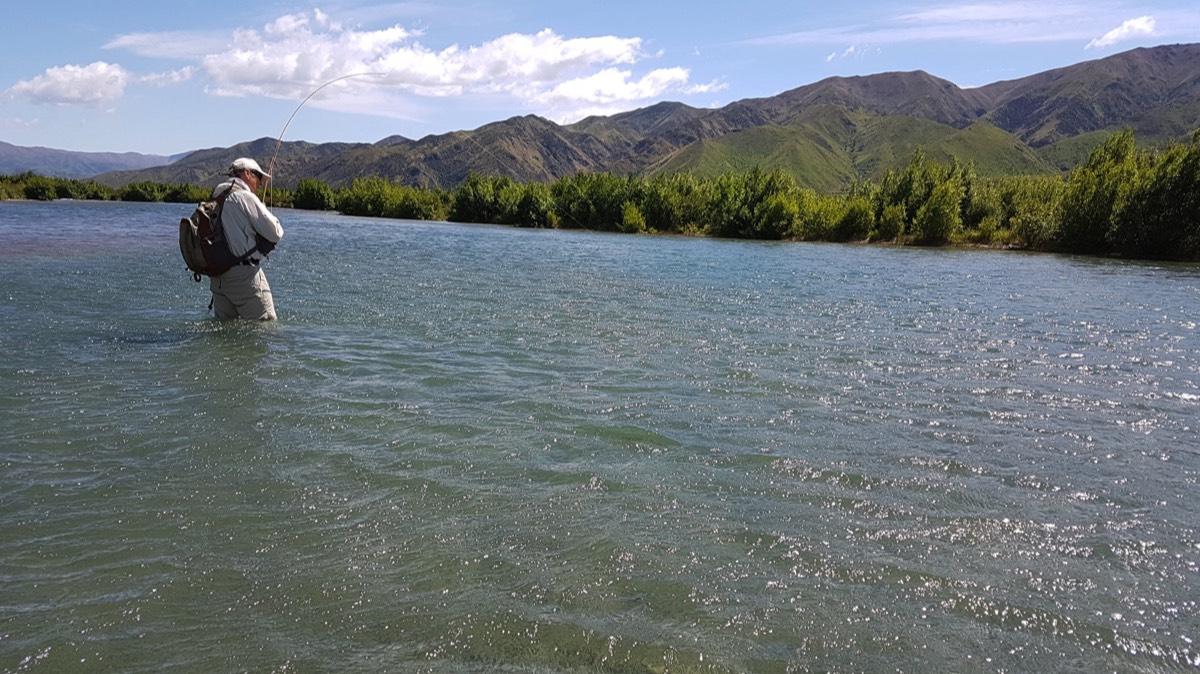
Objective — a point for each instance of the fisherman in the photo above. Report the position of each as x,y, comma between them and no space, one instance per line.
243,292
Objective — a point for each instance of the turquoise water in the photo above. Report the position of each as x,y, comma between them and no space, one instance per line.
478,449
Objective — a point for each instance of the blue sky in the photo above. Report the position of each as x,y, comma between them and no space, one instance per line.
169,77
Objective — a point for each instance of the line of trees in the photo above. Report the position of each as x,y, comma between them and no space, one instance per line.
36,187
1123,200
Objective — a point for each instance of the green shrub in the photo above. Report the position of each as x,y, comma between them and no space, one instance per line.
314,195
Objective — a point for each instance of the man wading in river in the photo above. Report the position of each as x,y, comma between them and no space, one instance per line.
243,291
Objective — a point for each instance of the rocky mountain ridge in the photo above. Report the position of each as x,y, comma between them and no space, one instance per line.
829,133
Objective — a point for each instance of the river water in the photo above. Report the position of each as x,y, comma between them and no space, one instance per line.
477,449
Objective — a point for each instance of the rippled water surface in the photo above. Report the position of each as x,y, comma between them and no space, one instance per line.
476,449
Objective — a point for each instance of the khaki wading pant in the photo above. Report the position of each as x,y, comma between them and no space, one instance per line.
242,292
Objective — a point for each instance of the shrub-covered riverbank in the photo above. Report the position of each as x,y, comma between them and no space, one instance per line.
1124,201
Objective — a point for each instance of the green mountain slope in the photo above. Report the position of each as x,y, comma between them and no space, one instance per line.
829,133
830,147
797,150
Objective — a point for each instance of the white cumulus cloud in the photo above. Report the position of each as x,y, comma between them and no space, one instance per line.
297,54
381,70
95,84
613,85
1143,25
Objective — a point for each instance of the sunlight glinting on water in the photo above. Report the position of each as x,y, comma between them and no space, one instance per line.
470,448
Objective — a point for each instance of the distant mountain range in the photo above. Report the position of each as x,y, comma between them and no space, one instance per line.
828,134
66,164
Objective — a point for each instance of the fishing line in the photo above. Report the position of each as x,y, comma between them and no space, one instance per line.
279,141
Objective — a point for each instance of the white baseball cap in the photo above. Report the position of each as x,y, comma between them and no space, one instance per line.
247,164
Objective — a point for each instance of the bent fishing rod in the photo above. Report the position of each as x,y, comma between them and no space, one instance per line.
279,140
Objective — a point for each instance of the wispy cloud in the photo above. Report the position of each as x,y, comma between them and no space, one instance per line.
18,123
979,22
169,78
171,45
1143,25
993,13
853,51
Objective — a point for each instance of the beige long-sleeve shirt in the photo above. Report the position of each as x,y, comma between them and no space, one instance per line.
243,215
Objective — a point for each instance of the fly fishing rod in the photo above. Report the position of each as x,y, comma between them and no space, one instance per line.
279,140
